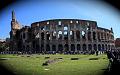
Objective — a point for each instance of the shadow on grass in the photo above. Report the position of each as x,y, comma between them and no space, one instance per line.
5,71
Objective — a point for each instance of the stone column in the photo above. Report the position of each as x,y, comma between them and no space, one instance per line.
96,36
86,40
57,47
81,46
75,35
50,47
91,36
69,32
45,39
75,47
86,35
80,36
62,33
40,40
69,47
56,40
100,36
51,40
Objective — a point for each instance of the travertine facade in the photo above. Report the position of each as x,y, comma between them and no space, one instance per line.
61,35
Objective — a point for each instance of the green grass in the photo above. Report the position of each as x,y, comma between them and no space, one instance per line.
33,65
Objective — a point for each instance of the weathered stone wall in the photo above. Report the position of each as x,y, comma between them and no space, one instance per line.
70,35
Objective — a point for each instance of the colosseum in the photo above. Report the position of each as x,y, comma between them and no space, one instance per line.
60,36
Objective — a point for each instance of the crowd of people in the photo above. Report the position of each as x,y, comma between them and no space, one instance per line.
114,61
90,52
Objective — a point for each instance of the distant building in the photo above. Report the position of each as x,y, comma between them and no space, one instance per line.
2,40
117,43
60,35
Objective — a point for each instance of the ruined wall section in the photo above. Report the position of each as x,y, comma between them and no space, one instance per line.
70,35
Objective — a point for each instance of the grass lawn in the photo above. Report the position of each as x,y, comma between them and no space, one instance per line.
33,65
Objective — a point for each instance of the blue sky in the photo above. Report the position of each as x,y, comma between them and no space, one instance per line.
30,11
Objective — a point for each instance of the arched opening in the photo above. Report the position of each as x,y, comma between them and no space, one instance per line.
89,35
65,32
102,36
37,47
53,47
103,47
60,35
72,35
95,47
89,47
99,47
66,47
60,47
83,35
47,35
112,47
42,36
33,44
78,47
65,35
54,35
78,35
94,36
47,26
47,47
106,47
42,47
98,34
72,47
84,47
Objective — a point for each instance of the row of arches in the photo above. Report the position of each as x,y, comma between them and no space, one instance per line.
72,34
74,47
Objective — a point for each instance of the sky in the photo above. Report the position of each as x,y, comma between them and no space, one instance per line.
30,11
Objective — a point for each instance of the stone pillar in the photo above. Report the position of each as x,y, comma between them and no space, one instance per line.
75,36
97,46
86,35
86,46
62,33
69,32
39,40
57,35
57,47
75,47
91,36
69,47
96,36
50,47
82,47
80,35
56,40
45,40
86,40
